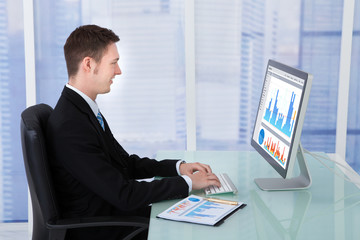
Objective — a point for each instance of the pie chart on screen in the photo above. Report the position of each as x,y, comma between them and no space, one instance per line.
261,136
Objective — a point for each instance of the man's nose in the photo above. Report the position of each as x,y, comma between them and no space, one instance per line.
118,70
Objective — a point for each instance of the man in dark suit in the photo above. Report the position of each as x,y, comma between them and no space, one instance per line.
93,174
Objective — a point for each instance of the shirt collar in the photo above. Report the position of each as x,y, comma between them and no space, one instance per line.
94,107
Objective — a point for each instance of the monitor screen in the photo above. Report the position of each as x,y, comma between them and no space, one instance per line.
280,116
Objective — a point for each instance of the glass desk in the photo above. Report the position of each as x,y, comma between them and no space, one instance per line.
329,209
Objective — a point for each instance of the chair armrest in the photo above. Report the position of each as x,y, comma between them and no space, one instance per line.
130,221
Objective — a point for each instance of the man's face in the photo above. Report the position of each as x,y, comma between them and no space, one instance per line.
106,70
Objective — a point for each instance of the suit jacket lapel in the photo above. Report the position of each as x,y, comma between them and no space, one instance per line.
82,105
106,135
109,138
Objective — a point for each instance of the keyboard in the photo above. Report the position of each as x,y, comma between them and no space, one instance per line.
226,186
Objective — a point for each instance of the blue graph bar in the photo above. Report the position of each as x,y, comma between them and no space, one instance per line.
199,211
277,119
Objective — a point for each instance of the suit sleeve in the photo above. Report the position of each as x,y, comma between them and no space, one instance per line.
79,149
146,167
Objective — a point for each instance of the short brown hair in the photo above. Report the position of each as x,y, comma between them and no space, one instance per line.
87,41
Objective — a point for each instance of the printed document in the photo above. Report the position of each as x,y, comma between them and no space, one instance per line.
200,210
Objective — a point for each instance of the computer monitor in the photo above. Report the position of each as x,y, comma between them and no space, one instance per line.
278,125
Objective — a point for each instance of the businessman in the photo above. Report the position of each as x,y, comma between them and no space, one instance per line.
93,174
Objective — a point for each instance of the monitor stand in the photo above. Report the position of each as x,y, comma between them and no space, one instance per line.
302,181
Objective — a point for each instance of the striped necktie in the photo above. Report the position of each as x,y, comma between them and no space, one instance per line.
101,120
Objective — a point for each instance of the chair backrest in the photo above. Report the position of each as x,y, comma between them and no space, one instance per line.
33,127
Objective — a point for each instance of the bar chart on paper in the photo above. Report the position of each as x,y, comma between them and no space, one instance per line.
196,209
206,210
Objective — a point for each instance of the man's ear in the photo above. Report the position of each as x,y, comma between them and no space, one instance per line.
87,64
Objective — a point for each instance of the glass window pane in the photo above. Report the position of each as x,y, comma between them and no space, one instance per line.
320,41
234,41
13,185
353,128
54,21
223,97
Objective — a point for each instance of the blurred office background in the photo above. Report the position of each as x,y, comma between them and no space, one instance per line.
147,106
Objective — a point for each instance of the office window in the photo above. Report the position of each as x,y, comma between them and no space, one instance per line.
146,107
320,41
234,41
13,186
353,127
218,52
53,22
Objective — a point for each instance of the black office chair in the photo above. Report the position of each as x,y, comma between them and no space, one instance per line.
47,221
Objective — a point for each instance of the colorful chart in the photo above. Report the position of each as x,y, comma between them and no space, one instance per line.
181,207
199,211
276,118
276,150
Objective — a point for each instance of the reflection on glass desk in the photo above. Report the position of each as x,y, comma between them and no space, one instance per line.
330,209
283,219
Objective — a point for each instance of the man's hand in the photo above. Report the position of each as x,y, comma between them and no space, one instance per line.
200,174
202,180
190,168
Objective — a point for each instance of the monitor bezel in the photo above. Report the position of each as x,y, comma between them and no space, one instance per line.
295,141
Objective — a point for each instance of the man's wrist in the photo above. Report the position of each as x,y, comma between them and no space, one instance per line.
188,181
186,178
178,166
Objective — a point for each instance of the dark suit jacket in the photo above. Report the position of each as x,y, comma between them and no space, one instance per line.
93,174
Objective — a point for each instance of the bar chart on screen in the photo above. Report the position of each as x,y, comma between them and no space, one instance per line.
278,150
281,109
